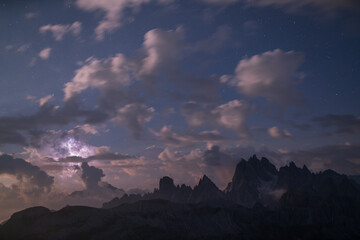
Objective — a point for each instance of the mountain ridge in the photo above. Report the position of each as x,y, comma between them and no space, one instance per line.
254,181
260,200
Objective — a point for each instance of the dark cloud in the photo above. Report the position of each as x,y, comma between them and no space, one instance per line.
133,117
105,156
17,128
38,180
214,157
9,136
340,124
96,191
170,138
91,175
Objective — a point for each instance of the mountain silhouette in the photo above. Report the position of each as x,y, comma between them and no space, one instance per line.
260,202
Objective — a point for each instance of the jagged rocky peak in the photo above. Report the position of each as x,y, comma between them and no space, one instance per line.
166,184
206,183
292,168
254,160
252,181
205,180
184,187
267,165
205,190
253,170
305,169
292,176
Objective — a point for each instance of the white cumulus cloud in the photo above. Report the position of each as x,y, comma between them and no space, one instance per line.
45,53
276,132
59,31
271,75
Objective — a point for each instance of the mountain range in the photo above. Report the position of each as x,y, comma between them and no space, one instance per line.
261,202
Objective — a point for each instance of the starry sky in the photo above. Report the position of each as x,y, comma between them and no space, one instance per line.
123,92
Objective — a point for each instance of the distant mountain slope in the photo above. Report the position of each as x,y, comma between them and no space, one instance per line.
254,181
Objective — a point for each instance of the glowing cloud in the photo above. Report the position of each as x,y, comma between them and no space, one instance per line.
76,148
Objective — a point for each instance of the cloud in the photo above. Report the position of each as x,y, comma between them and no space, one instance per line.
324,6
113,13
340,124
159,54
133,117
9,136
87,128
221,163
105,74
59,31
231,115
16,130
45,53
270,75
276,132
107,156
170,138
31,15
61,144
42,101
162,48
189,167
23,48
31,179
118,80
96,191
91,175
9,47
28,186
102,153
182,165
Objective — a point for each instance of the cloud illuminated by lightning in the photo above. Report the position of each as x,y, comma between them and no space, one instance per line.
76,148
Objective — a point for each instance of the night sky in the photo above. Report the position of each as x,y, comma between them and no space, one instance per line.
123,92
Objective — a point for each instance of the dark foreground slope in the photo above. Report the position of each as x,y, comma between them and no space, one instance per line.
261,202
161,219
